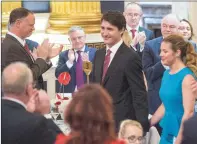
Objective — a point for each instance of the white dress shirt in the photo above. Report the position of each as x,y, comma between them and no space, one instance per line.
113,50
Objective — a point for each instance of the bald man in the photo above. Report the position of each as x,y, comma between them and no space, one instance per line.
133,14
19,125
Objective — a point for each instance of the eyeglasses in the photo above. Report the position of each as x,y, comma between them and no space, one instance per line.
133,14
133,139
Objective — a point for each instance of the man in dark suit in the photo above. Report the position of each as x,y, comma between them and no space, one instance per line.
18,125
133,14
118,68
14,47
71,61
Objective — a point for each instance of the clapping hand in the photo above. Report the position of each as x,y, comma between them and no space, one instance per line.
53,52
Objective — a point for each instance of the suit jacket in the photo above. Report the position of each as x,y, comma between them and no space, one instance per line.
153,70
22,127
124,82
13,51
31,44
62,67
149,36
190,131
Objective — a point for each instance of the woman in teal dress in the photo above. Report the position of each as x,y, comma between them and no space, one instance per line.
177,96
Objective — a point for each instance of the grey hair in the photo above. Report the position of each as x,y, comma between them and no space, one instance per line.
75,28
15,78
172,15
133,3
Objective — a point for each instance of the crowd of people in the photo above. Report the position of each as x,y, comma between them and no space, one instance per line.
138,84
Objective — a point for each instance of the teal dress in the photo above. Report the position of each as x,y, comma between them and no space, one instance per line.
171,96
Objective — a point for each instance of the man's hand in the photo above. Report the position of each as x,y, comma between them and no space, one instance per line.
141,38
33,101
71,56
44,49
43,105
85,56
53,52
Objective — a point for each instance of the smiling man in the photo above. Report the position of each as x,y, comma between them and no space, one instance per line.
71,60
118,68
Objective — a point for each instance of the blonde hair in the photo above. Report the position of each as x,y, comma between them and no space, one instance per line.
188,54
125,123
126,38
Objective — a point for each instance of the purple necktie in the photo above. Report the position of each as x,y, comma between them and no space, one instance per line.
79,71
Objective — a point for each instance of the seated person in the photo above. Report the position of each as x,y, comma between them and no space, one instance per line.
71,60
131,131
90,116
19,125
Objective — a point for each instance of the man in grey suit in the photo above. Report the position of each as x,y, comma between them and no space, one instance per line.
14,47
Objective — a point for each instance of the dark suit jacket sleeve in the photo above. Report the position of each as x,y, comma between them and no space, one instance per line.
190,131
152,71
62,66
135,79
37,68
44,133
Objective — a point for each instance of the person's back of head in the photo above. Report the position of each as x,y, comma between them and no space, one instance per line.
90,116
17,81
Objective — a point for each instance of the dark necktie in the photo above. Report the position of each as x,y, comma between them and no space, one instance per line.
106,63
79,71
133,33
27,49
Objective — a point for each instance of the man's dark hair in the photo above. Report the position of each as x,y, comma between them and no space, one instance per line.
115,18
18,13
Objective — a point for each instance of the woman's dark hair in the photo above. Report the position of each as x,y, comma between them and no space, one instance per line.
192,31
90,116
188,54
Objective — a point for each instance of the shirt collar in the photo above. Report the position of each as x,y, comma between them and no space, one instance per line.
22,42
16,100
115,47
82,50
129,28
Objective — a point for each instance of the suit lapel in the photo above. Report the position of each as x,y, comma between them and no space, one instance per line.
21,47
159,44
114,62
99,64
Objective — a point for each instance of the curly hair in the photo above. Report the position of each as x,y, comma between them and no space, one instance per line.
90,116
188,54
